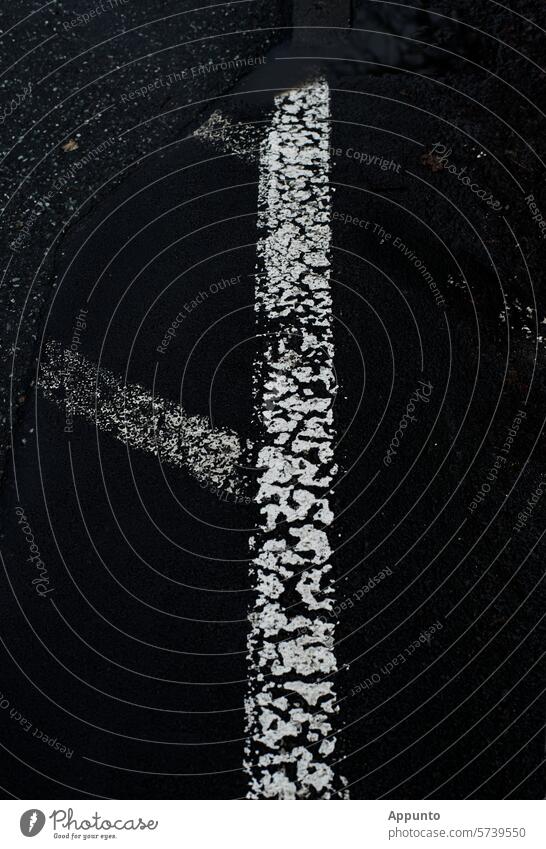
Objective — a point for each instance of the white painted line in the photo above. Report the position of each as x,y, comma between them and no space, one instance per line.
291,707
132,415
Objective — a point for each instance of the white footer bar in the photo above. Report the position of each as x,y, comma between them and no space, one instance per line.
251,825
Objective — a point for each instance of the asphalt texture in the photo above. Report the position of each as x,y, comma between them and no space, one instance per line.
133,653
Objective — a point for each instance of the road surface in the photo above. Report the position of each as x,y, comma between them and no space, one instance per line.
272,504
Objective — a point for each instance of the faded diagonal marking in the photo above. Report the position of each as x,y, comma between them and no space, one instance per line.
131,414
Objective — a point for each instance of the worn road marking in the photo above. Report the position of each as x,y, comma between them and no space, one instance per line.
221,131
132,415
291,705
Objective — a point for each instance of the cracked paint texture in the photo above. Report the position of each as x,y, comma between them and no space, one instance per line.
291,704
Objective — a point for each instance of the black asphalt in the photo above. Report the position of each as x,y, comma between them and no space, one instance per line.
136,658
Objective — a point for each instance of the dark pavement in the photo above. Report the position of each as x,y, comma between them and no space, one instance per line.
135,657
